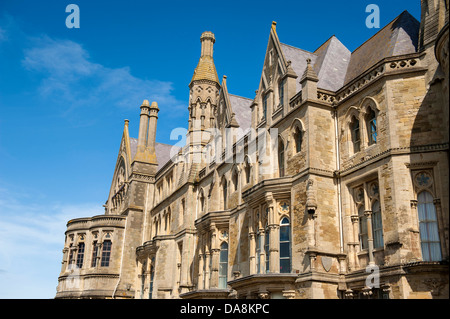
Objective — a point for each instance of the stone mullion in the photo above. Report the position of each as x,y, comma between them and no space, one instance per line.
443,231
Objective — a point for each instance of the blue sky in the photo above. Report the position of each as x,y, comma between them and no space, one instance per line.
64,94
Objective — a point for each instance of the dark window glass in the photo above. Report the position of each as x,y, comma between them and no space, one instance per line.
80,255
285,246
106,253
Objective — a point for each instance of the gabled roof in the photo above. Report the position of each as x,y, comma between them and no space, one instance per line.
330,62
241,108
398,37
298,59
162,151
335,65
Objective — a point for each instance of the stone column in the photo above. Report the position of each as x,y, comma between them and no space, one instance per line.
414,230
311,230
64,259
274,263
252,258
353,258
262,252
201,272
215,251
368,214
207,270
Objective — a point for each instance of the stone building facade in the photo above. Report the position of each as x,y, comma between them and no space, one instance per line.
332,182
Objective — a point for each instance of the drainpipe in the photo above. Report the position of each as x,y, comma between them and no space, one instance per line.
337,174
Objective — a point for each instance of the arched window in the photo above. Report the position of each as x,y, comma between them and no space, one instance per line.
377,225
71,252
281,158
247,170
169,217
356,136
202,201
94,254
371,121
223,265
298,137
363,237
235,179
224,192
428,226
80,255
265,102
285,246
106,253
281,92
152,275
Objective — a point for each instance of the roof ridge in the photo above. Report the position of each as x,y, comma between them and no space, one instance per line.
242,97
378,32
320,46
297,48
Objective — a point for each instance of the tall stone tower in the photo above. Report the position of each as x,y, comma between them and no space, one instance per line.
204,87
203,99
434,15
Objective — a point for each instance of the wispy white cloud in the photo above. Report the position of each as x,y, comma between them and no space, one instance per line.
70,77
31,242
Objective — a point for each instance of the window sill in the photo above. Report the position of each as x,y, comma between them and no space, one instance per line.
366,251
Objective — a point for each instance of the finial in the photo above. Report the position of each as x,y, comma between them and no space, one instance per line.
274,25
126,122
145,103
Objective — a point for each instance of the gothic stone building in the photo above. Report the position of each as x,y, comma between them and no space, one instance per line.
341,193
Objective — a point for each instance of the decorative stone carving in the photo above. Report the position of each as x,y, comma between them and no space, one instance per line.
311,204
263,295
349,294
283,207
289,294
435,285
327,262
423,179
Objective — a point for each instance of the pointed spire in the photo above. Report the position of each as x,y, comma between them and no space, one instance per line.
206,70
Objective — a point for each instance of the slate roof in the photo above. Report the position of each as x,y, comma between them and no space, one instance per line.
298,59
330,62
162,151
398,37
335,65
241,107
